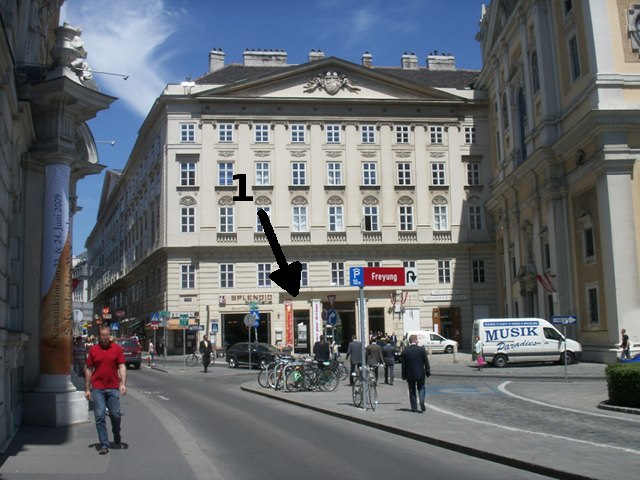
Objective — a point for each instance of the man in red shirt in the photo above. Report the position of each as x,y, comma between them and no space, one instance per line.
105,380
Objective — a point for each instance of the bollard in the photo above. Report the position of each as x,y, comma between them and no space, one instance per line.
455,354
429,351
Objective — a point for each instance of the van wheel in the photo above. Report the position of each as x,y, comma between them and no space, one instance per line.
570,359
233,363
500,361
449,349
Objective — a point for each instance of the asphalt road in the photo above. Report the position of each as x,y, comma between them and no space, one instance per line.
243,436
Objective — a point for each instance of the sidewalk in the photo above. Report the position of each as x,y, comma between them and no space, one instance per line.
57,453
530,447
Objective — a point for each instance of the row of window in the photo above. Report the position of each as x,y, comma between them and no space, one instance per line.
338,276
335,173
370,218
333,133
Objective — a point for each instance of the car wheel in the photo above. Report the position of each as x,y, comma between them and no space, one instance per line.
449,349
570,359
500,361
233,363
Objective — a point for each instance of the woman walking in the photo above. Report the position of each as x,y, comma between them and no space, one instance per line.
477,351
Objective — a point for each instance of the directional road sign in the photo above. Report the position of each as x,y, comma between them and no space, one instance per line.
356,276
155,319
332,317
214,327
564,319
411,277
184,319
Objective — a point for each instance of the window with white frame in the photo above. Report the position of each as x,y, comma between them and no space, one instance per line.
336,218
404,173
263,173
333,133
187,174
267,210
477,271
469,135
264,270
187,276
187,132
574,58
409,264
589,244
475,217
337,273
297,133
444,271
373,264
371,218
440,218
473,173
225,173
304,274
402,133
226,275
593,309
438,173
226,220
368,133
188,219
298,173
435,134
369,173
334,173
300,219
261,133
406,218
225,132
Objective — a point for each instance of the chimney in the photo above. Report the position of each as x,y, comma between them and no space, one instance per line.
216,59
409,61
313,55
264,58
367,60
443,61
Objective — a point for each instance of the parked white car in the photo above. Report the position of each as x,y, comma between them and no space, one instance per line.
437,343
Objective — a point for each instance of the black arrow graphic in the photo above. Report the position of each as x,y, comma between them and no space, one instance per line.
411,277
287,276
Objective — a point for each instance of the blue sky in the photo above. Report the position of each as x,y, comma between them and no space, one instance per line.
157,42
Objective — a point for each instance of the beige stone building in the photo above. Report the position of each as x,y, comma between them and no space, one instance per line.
46,96
562,80
356,165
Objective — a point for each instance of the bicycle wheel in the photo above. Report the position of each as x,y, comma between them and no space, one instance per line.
262,378
191,360
328,380
294,380
356,394
343,373
373,396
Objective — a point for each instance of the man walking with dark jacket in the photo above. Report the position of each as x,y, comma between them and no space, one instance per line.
206,349
354,354
415,368
374,357
388,354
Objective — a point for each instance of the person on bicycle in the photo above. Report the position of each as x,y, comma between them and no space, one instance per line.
374,357
354,354
206,350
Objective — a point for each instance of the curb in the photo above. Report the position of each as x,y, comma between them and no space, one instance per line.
473,452
604,405
517,377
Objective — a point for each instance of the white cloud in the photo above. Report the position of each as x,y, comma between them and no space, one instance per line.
124,37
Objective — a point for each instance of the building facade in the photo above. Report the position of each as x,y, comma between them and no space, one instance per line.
562,84
356,165
82,307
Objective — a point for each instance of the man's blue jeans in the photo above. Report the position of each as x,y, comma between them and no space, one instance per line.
103,399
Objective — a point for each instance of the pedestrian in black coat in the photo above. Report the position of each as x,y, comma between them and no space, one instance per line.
415,370
206,349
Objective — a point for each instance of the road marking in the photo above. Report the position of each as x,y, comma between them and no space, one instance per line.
503,388
163,398
541,434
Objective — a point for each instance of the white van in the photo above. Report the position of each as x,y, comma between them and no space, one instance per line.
523,340
438,344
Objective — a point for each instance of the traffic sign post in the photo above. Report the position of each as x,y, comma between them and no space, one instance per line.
249,320
184,323
564,321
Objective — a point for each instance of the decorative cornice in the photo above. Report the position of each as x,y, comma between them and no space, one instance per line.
439,200
334,154
335,200
299,200
262,200
369,154
187,201
437,154
298,153
405,200
261,153
370,200
226,153
226,200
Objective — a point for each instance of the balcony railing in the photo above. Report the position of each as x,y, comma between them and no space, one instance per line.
371,237
300,237
442,235
407,237
336,237
227,237
259,237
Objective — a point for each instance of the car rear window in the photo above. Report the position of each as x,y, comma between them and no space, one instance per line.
127,343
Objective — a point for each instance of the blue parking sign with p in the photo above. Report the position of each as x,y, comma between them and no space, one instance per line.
356,276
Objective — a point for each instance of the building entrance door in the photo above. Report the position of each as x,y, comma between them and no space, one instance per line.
376,322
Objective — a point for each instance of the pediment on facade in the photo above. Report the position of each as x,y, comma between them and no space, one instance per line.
111,178
496,17
331,79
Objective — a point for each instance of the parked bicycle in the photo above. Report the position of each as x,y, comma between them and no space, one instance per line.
195,358
365,374
309,376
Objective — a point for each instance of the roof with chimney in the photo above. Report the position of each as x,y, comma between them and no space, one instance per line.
439,72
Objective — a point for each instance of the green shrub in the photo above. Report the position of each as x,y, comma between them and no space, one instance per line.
623,383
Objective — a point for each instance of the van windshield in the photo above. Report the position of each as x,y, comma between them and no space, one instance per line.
553,334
